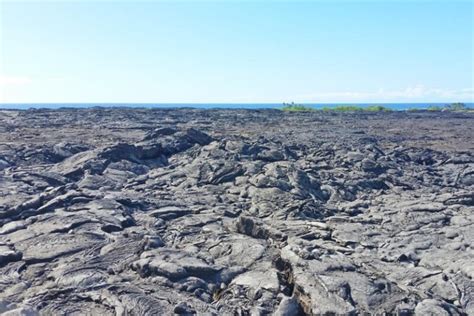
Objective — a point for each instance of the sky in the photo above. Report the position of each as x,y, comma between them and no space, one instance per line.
236,51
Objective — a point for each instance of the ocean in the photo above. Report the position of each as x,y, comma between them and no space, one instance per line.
255,106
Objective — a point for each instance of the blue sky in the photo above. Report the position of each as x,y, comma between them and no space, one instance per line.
236,51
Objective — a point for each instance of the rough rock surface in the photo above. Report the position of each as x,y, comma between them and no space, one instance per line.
147,212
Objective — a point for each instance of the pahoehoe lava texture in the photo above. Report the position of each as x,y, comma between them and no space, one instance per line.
236,212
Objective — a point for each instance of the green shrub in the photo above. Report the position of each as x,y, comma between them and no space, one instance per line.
434,108
354,108
448,107
458,106
292,107
377,108
345,108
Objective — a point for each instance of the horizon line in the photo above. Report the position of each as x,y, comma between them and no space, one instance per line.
230,103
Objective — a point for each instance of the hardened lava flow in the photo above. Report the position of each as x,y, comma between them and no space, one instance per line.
236,212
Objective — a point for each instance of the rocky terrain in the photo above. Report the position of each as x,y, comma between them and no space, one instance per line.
236,212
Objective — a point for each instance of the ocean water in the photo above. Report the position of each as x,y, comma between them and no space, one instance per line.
393,106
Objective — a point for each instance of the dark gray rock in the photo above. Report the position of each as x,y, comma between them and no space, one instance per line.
289,306
7,254
236,212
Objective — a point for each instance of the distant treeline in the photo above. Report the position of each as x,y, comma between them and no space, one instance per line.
293,107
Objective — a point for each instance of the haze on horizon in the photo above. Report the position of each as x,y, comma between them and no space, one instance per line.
236,52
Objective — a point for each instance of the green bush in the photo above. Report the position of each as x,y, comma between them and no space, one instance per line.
448,107
377,108
434,108
292,107
458,106
353,108
343,108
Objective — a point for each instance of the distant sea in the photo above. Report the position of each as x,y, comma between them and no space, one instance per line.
255,106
